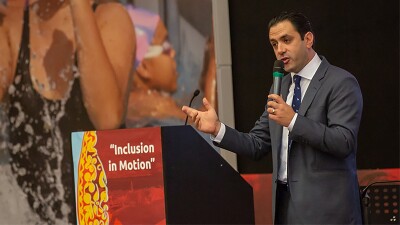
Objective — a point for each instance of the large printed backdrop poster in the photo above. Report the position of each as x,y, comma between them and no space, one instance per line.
155,53
119,176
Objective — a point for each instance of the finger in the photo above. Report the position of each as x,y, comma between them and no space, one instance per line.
197,120
272,104
206,104
194,114
188,111
271,111
273,96
276,98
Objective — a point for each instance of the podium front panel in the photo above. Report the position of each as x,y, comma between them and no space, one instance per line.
119,176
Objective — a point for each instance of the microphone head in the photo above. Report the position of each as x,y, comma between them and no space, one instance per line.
196,92
278,66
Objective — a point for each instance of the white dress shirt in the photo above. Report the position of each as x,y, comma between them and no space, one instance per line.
306,74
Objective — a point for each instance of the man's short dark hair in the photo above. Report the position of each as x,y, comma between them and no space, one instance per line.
298,20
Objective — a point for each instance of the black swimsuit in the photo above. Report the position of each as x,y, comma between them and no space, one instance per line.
39,140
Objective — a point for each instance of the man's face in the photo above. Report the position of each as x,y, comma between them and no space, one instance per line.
288,46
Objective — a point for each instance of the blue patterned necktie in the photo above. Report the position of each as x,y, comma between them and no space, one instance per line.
296,94
296,98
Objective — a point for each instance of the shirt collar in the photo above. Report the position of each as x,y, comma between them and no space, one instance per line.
309,70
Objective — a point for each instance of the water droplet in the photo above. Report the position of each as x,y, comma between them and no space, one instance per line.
21,171
18,79
29,129
11,89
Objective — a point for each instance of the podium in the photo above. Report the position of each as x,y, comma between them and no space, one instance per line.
159,175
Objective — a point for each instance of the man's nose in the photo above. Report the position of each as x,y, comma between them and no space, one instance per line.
281,49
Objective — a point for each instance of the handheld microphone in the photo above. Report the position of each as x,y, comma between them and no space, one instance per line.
196,92
277,74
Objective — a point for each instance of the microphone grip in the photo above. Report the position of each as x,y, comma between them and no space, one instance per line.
277,85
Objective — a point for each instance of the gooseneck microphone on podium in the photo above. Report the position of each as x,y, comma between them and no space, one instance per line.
277,74
196,92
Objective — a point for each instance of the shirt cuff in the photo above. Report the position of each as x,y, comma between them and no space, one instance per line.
291,124
220,134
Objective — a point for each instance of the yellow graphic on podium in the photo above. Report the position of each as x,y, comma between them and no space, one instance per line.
92,189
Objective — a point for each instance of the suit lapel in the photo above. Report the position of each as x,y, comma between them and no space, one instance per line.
314,86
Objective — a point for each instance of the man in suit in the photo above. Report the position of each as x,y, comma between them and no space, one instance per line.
311,130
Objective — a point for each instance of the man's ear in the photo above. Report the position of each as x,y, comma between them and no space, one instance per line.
143,71
309,39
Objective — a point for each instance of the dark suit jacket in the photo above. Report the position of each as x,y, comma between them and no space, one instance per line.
322,160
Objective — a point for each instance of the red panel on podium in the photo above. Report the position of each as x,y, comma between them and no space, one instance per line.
119,176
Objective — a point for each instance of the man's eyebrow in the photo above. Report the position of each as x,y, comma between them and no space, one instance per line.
284,36
281,37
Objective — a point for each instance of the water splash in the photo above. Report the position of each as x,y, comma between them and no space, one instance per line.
42,180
